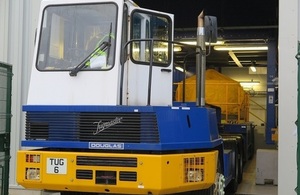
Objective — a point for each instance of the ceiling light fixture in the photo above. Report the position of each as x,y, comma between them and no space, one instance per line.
235,59
177,48
249,83
240,48
253,69
206,43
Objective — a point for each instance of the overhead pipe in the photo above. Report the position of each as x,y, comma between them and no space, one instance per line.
200,62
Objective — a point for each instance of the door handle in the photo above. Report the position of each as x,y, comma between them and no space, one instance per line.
165,70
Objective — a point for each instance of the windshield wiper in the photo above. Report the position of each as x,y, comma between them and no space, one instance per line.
102,47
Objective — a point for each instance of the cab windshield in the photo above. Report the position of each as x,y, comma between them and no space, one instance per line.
71,34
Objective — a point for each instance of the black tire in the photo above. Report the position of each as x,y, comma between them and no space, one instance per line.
252,143
240,165
240,151
240,156
231,188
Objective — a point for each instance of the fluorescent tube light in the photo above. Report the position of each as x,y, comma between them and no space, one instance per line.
249,83
235,59
240,48
206,43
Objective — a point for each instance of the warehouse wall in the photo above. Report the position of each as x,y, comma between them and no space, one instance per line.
288,36
18,20
4,30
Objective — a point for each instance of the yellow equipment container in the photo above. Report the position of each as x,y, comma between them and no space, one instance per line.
221,91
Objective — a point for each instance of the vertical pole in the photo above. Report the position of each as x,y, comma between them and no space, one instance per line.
150,72
200,62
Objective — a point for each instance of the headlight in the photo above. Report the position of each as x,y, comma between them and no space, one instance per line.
195,176
32,173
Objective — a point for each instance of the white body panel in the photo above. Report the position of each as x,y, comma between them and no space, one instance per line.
161,90
138,79
87,88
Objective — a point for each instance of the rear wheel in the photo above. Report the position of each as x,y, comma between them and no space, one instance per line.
218,188
233,185
236,141
240,164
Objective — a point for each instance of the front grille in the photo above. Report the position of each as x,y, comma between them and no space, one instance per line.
37,130
92,127
106,161
127,176
55,126
84,174
118,127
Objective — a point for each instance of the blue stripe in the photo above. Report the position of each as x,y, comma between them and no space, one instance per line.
140,146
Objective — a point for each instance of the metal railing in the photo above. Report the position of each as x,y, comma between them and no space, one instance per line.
5,119
151,62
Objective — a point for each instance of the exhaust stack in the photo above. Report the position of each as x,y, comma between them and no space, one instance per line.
200,62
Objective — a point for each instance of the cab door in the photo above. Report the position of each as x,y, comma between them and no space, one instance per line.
149,66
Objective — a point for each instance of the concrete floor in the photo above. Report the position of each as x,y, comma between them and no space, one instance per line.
248,185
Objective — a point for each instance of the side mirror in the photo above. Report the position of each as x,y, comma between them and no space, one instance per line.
211,29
